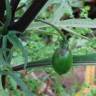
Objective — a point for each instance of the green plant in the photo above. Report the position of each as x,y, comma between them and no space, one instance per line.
15,19
62,60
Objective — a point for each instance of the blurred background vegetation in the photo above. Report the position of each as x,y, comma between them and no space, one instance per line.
41,40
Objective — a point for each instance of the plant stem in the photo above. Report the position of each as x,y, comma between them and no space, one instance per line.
14,4
48,62
28,16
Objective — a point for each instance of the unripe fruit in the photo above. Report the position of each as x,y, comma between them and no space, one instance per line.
62,60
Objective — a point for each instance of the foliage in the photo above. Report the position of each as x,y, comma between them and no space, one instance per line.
40,40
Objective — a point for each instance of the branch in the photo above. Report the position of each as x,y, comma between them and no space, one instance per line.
83,60
39,63
28,16
14,4
2,9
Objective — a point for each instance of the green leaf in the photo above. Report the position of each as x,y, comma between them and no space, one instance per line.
9,57
18,44
78,23
13,83
4,42
8,12
21,84
4,46
2,91
5,50
83,23
2,61
64,9
76,3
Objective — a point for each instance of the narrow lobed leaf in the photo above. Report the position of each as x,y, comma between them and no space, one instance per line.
18,44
